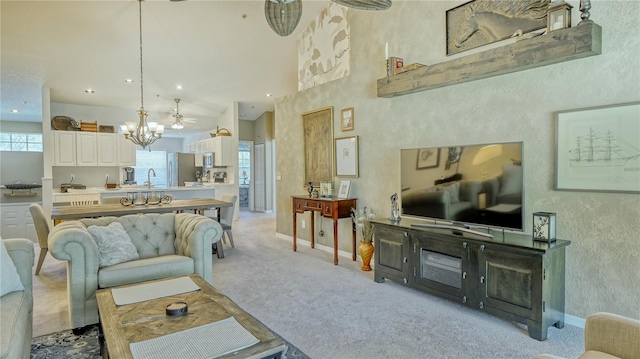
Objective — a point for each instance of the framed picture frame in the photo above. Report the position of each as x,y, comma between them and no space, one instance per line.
428,158
318,146
500,19
346,156
343,192
326,190
597,149
346,119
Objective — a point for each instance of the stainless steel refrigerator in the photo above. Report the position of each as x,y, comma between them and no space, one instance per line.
182,168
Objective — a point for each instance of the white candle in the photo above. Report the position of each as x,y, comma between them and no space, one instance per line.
386,50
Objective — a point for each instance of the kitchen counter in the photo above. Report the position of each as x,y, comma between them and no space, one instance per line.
140,188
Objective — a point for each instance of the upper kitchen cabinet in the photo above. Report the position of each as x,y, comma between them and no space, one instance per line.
64,143
221,147
107,153
92,149
126,151
86,149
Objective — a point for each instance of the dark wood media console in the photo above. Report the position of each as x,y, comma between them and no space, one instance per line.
510,276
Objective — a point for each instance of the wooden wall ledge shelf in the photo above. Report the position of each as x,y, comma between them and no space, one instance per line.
584,40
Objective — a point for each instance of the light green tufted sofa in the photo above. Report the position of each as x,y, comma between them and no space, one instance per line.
168,245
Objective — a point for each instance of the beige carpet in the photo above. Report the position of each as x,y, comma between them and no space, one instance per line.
335,311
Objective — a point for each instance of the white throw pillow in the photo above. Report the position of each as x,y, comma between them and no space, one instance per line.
114,244
9,278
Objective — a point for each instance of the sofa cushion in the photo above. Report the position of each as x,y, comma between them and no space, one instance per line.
453,188
16,321
152,234
114,244
9,278
144,270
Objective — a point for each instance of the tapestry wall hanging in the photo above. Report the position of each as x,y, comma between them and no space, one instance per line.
318,146
481,22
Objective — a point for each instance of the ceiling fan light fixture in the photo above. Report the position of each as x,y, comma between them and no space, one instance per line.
283,15
365,4
178,125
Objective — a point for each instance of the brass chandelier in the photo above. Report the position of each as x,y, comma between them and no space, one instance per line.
142,133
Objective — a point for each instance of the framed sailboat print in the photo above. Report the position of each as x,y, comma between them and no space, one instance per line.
598,149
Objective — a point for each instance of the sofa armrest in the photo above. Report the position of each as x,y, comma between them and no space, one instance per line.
612,334
491,187
21,252
194,236
70,241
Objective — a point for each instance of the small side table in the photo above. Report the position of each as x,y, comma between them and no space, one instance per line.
334,208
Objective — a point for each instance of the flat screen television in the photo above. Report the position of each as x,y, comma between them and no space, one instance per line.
478,185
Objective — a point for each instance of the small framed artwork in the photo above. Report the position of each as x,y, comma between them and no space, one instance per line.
347,156
597,149
326,189
346,119
344,189
428,158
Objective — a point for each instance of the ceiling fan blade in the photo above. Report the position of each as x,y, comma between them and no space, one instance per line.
189,119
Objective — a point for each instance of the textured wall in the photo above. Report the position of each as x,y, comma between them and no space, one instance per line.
604,227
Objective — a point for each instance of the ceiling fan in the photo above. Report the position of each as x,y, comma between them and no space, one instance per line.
179,120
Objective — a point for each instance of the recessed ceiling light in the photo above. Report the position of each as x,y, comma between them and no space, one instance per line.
89,91
179,87
15,111
268,95
129,81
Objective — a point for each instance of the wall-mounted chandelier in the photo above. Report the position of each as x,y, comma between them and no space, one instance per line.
178,123
142,133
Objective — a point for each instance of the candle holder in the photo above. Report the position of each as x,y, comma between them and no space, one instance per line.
145,198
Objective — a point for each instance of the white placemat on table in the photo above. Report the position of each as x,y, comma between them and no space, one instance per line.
142,292
206,341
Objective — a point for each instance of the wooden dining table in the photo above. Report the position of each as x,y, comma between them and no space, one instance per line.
61,213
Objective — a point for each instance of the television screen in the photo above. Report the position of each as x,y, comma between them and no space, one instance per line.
476,185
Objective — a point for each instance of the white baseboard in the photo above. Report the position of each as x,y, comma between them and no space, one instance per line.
574,321
568,319
321,247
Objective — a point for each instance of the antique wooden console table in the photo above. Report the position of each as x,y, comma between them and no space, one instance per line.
334,208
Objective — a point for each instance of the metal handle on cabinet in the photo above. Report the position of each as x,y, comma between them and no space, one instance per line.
405,280
405,260
464,275
482,247
464,299
464,245
481,279
481,305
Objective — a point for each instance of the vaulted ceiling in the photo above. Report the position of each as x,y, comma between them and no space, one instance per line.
218,51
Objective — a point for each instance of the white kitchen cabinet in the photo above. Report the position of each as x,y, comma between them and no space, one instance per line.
64,143
86,149
16,221
107,154
222,151
126,151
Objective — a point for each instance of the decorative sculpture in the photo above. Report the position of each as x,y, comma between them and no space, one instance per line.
395,212
310,188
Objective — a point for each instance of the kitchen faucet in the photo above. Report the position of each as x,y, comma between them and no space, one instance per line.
148,183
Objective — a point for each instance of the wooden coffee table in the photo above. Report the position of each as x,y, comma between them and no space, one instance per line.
122,325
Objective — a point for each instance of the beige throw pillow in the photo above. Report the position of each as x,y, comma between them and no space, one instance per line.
114,244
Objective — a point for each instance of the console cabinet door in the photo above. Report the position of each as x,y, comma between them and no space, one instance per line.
510,282
441,266
391,255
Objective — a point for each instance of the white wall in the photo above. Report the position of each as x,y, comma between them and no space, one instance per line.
603,227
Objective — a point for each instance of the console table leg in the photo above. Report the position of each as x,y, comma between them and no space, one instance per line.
536,331
313,230
335,241
295,247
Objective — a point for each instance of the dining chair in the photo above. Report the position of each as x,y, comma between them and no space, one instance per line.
226,217
41,223
84,199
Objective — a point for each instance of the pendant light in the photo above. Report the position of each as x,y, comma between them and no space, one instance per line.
142,133
283,15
